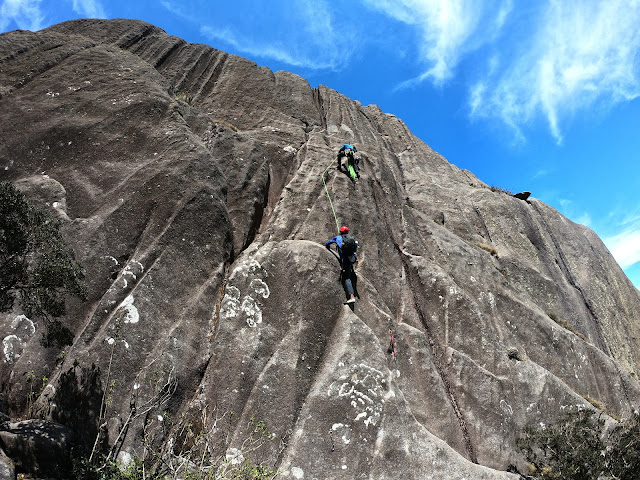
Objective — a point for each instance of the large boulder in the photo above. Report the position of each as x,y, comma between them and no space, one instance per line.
37,447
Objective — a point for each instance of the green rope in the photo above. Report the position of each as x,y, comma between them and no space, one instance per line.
329,196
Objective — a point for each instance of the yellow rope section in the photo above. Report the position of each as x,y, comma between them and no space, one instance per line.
329,196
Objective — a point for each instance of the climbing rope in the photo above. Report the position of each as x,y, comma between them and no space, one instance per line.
329,196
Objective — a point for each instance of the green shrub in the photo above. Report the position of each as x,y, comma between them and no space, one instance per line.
579,448
501,190
36,267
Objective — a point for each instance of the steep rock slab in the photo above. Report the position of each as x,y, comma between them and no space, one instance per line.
133,180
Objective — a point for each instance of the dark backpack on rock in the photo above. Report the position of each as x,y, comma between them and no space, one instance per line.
348,245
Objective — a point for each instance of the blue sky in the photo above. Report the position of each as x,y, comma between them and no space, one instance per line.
538,95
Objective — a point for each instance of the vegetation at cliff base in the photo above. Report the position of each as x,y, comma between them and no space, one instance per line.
582,447
37,268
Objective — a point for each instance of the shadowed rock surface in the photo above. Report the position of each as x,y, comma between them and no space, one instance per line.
188,184
39,447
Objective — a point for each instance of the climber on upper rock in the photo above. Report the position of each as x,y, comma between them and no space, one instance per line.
347,247
353,169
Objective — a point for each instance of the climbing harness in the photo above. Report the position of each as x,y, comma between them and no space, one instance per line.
392,345
329,196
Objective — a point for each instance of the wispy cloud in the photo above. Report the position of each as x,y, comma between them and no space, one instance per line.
89,8
25,14
570,210
29,15
305,33
578,54
625,246
447,29
543,172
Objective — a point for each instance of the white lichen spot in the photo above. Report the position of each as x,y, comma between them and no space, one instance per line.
260,287
124,458
160,418
290,149
506,408
49,390
136,386
363,388
131,312
12,348
109,257
297,472
126,344
254,267
22,322
252,310
230,306
128,272
488,298
111,341
234,456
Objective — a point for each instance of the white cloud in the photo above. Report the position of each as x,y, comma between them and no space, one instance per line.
448,29
577,54
255,48
625,243
625,246
305,33
575,213
584,219
26,14
89,8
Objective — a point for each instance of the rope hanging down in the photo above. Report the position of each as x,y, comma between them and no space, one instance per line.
329,196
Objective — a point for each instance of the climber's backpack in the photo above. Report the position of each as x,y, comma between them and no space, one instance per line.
348,245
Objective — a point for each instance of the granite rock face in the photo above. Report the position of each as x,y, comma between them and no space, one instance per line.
38,447
188,183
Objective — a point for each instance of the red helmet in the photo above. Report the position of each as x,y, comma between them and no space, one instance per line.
344,229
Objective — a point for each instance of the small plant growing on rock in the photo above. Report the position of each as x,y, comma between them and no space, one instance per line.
564,324
193,455
226,124
514,354
500,190
487,248
594,402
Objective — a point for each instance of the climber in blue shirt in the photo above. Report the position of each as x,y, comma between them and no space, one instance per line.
347,247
